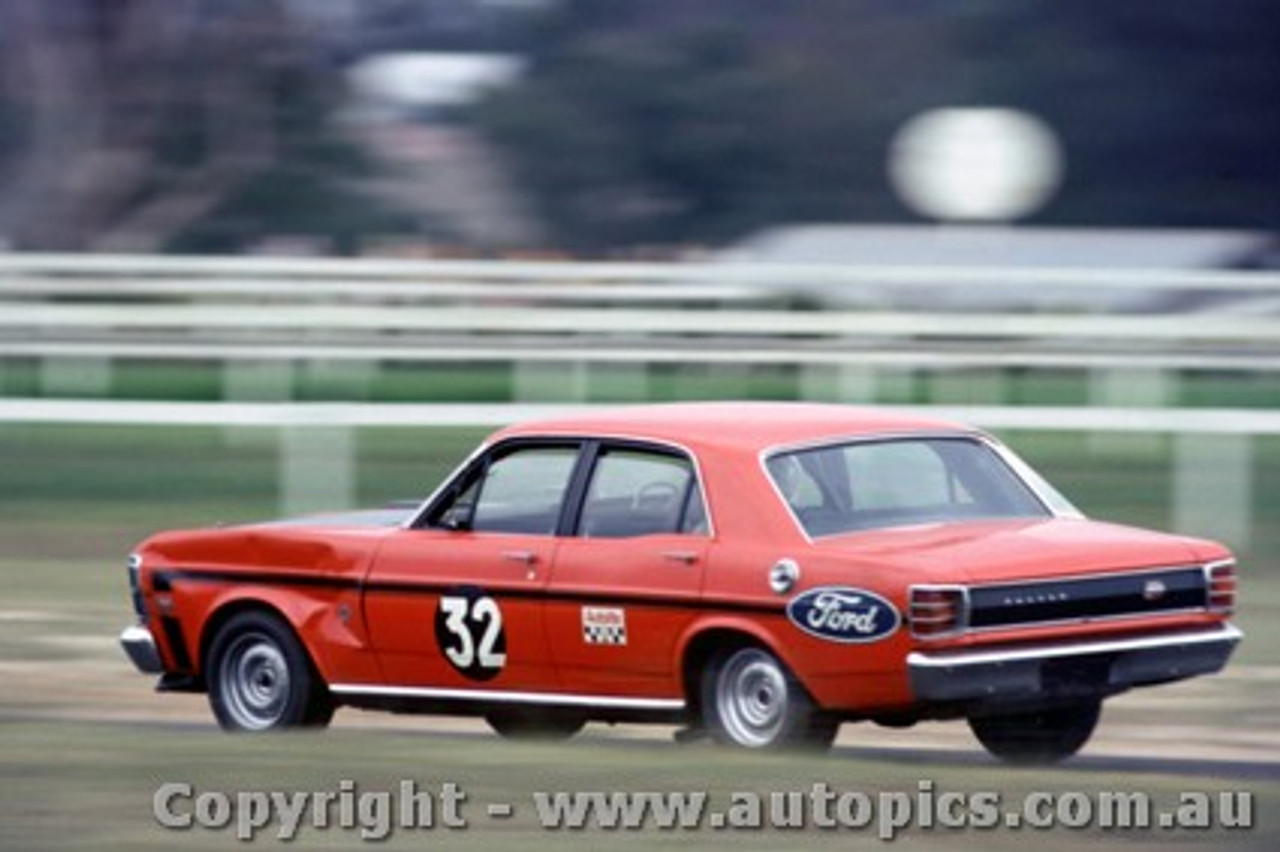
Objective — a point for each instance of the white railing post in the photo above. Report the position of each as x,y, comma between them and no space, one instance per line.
317,469
1212,485
845,382
617,381
549,381
968,387
1130,387
75,377
257,380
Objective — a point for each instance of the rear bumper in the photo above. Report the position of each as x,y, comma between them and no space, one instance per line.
1067,670
140,646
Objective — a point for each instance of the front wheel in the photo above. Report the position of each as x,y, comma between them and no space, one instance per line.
750,699
1040,737
261,678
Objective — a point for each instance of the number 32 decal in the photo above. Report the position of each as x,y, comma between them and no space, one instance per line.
468,627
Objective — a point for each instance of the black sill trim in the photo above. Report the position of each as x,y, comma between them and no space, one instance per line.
163,581
177,645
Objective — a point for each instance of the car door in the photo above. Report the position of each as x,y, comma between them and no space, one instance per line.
456,602
626,584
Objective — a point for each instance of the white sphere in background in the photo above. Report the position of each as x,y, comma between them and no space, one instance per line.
987,165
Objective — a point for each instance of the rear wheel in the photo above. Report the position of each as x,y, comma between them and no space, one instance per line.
260,677
535,723
1040,737
750,699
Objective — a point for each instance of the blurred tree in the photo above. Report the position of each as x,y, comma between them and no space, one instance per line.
674,121
1166,109
203,124
130,123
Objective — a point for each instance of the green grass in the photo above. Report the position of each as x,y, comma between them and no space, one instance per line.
497,382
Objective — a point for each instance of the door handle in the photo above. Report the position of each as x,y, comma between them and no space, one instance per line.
684,557
524,557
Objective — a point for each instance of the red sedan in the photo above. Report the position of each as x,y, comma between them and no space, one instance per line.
758,572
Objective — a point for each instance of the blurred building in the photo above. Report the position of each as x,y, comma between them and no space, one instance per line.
1011,248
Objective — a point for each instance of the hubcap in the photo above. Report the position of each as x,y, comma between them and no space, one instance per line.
255,682
751,697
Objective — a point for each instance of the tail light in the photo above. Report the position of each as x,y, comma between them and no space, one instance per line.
938,611
1220,587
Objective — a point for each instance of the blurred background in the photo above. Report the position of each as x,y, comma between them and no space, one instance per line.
608,128
263,257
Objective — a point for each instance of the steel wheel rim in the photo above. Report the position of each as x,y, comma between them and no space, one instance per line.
255,682
751,697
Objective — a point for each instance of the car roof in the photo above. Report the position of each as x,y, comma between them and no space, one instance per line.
751,426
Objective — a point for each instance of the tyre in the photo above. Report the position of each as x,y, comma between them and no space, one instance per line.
535,723
1040,737
750,699
260,677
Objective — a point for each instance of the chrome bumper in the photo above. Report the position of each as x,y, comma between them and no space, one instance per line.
1068,669
140,646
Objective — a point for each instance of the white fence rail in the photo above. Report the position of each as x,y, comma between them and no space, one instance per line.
77,315
1212,464
252,271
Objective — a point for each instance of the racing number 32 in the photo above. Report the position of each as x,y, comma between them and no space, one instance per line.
468,627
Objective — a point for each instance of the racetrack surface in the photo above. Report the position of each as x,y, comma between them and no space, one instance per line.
85,743
1230,721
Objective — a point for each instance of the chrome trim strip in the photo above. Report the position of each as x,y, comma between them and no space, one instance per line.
1053,499
610,702
1092,575
1227,633
1085,619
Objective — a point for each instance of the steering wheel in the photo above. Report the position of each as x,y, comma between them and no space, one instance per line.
655,495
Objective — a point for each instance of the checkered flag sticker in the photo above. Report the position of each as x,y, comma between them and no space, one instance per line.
604,625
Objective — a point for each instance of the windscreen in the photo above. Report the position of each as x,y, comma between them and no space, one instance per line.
875,484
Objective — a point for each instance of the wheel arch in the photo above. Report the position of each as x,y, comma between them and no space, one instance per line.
230,608
705,639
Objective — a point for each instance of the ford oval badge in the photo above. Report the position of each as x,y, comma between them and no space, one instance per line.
843,614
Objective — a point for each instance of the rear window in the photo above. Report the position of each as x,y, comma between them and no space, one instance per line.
875,484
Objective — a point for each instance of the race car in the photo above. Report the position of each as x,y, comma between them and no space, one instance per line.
756,572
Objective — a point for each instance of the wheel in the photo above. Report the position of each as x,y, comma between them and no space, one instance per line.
1041,737
535,723
750,699
260,677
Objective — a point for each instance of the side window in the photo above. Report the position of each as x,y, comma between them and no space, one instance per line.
518,492
522,492
639,492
